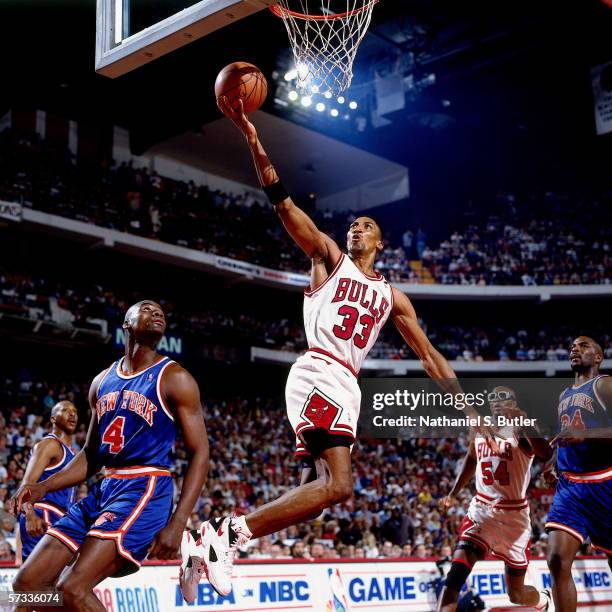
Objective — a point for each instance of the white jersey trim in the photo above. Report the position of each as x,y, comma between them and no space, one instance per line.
597,393
158,390
129,376
308,292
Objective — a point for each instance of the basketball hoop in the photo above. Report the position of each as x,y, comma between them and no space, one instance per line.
324,42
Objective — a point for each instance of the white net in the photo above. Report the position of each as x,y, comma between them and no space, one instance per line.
325,36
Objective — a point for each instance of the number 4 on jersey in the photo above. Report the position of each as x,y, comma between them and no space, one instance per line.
113,435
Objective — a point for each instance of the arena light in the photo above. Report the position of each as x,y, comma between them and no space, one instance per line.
306,101
352,105
293,95
302,71
340,99
291,75
328,95
334,112
320,107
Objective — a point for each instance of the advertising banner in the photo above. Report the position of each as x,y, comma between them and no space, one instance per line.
400,586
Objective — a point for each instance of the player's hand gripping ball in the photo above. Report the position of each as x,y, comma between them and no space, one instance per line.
242,81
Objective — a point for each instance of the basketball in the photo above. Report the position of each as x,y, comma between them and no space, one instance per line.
241,80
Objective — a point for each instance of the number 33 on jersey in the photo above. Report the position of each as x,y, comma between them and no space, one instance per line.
345,314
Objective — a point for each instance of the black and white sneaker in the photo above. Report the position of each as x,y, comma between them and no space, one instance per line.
222,542
548,606
193,550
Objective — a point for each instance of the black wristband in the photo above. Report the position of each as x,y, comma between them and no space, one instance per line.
276,193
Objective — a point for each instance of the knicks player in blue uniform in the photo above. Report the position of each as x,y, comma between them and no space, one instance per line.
582,507
48,457
137,404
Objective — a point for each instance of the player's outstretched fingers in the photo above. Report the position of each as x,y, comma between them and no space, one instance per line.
445,503
223,106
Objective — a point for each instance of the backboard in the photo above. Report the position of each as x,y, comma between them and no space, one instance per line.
131,33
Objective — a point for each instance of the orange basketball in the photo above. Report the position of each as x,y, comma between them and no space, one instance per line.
242,80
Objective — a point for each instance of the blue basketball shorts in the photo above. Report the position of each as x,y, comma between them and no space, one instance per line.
582,508
50,513
127,506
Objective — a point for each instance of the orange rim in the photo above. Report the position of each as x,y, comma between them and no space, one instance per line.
283,13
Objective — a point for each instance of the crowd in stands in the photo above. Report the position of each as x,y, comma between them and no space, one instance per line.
91,306
394,512
545,240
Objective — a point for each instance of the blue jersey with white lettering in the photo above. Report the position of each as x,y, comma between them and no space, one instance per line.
136,427
63,498
580,407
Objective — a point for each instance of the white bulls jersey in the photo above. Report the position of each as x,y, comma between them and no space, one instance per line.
502,478
345,314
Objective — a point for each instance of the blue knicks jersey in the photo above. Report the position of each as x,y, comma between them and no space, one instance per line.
63,498
136,427
580,407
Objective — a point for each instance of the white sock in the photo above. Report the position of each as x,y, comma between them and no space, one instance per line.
543,599
240,526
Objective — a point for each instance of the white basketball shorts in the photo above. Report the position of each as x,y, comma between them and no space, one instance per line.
321,394
503,533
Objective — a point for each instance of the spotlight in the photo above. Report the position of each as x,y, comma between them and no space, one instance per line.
341,100
293,95
290,75
352,105
320,107
328,95
306,101
315,89
334,112
302,71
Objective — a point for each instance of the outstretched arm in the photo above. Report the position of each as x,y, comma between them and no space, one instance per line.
466,473
183,395
434,363
298,224
531,440
405,319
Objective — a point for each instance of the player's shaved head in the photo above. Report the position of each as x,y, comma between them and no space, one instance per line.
585,354
594,345
132,311
61,405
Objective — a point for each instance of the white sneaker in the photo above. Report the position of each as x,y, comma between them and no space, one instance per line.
222,541
549,606
193,549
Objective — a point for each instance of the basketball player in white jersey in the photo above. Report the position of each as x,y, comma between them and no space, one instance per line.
345,307
498,519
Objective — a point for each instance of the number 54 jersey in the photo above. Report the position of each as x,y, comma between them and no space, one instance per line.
136,427
497,520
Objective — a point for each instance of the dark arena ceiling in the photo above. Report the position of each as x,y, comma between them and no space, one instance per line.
511,80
